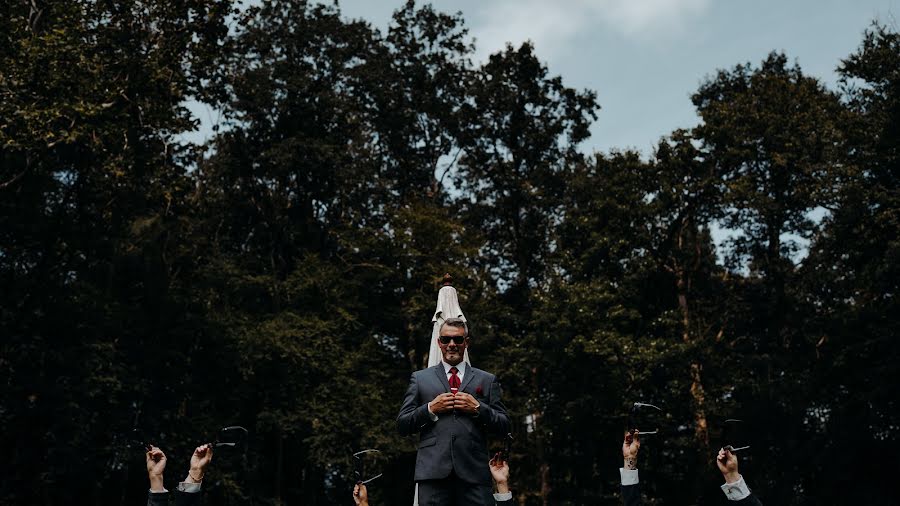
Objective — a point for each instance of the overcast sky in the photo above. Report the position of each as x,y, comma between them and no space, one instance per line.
644,58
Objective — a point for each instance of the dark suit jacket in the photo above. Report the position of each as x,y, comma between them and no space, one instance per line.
181,498
456,442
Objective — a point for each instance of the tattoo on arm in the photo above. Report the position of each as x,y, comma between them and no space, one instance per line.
631,464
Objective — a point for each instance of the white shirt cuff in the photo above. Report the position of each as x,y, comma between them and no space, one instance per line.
433,416
629,476
736,491
506,496
163,491
190,488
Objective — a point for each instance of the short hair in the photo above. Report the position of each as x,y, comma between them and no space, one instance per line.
458,323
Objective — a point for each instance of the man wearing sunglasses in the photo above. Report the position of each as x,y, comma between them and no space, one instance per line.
453,406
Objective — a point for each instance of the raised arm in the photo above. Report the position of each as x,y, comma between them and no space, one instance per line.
631,488
500,473
734,488
188,491
156,465
360,495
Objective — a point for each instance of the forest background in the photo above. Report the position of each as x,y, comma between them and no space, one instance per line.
283,276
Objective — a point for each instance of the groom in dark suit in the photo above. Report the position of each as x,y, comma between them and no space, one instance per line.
453,406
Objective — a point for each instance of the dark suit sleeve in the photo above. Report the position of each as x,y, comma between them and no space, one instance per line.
187,499
181,498
158,499
631,495
750,500
493,413
412,418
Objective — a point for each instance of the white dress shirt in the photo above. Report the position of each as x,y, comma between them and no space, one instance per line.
737,490
190,488
505,496
460,372
629,476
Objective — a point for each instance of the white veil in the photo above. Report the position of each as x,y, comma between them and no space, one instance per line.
447,307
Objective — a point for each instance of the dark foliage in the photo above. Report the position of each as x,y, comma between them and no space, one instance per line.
282,276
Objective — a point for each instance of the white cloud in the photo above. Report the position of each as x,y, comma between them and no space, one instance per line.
552,24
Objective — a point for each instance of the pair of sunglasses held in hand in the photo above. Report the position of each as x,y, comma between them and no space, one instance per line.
644,419
234,436
731,431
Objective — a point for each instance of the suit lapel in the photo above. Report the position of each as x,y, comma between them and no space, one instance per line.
470,373
442,377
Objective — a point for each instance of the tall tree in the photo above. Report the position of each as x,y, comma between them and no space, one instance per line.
590,323
773,133
774,136
91,176
522,129
297,215
414,91
688,199
851,280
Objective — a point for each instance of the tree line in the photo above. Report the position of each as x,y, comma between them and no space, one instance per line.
282,275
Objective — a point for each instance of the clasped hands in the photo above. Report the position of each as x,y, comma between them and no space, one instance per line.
460,401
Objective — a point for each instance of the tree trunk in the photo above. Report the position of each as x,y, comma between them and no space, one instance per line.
279,464
539,445
544,469
545,483
775,274
701,429
698,394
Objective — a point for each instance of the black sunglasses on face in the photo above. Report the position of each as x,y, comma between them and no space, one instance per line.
456,339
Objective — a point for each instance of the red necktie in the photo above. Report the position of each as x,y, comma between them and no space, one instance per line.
454,380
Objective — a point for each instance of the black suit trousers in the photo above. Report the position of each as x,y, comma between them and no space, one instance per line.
452,491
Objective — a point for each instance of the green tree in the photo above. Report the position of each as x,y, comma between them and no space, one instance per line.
773,133
415,89
282,277
850,281
89,165
521,131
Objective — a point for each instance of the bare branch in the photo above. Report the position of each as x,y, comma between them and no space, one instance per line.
13,180
34,15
